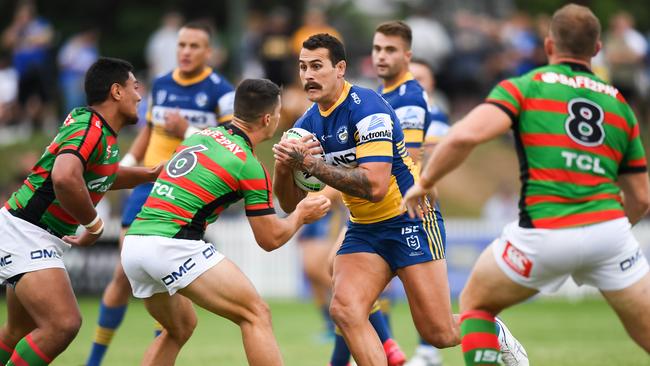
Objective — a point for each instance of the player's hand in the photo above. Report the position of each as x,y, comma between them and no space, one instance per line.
291,153
314,207
155,171
175,124
83,240
414,199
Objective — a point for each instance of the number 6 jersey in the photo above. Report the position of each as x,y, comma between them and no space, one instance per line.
574,136
210,171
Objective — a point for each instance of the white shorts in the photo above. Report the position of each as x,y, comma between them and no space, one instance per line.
157,264
605,255
25,247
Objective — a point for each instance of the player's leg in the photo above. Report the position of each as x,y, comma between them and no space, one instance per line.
224,290
19,324
176,314
632,304
487,292
358,279
111,311
55,313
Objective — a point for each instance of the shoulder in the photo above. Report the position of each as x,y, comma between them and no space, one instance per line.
219,82
364,102
306,119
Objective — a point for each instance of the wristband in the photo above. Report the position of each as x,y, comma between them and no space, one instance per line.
128,160
98,231
191,130
92,223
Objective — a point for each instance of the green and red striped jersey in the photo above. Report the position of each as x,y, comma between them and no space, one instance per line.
574,135
85,134
209,171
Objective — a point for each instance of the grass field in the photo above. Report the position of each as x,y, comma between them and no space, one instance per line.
554,332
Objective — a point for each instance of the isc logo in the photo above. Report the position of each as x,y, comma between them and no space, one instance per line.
182,269
44,254
6,260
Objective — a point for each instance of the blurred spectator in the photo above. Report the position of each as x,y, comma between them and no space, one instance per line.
275,51
8,89
502,207
30,38
519,36
430,40
423,73
250,46
74,59
160,51
625,49
314,21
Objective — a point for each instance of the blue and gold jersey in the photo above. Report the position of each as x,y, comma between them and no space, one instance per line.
204,101
409,101
360,128
437,126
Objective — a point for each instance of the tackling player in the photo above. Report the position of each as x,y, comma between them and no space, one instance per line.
579,148
182,102
39,221
210,171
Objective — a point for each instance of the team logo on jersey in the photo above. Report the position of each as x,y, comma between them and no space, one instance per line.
355,98
342,135
201,99
413,242
517,260
161,95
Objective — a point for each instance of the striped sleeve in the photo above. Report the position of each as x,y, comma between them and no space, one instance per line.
255,186
413,116
375,138
634,159
81,139
507,95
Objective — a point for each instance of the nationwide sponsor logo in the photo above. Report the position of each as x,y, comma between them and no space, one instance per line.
342,135
183,269
578,82
345,158
628,263
222,140
517,260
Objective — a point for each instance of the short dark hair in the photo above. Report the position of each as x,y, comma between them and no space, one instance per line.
396,28
203,26
326,40
101,75
254,98
575,31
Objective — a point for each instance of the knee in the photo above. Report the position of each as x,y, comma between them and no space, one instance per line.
345,315
256,313
66,328
442,336
183,330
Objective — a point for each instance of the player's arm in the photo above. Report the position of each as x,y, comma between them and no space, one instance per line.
636,195
71,192
138,148
271,232
284,188
129,177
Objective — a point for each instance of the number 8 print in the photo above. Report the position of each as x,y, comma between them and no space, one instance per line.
585,122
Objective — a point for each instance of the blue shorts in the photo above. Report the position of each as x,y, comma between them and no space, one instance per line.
401,241
134,203
319,229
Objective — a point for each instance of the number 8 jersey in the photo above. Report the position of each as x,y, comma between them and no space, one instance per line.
574,136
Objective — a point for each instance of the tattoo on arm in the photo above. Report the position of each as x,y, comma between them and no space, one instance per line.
350,181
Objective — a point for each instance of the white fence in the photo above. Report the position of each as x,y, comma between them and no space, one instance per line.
279,273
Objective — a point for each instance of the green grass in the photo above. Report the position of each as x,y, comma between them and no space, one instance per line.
554,332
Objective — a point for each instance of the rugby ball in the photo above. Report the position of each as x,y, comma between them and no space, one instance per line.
304,180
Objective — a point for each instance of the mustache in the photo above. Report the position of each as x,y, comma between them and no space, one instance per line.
311,84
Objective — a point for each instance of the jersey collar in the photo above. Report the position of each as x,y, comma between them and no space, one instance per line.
344,94
176,75
576,66
104,123
237,131
387,89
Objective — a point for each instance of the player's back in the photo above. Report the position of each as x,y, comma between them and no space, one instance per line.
574,135
209,171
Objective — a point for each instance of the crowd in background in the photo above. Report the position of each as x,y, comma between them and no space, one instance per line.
41,78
